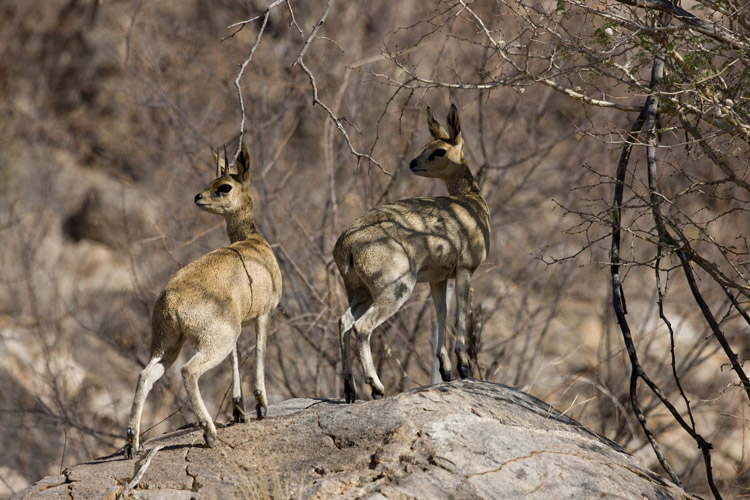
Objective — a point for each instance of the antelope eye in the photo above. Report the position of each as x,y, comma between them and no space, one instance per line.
224,188
437,152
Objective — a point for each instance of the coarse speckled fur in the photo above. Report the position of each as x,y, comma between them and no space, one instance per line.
207,302
391,248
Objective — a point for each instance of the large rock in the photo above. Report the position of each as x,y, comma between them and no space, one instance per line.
463,439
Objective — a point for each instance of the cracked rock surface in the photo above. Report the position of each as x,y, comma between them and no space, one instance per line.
462,439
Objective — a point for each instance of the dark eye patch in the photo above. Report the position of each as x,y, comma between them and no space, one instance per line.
224,188
437,153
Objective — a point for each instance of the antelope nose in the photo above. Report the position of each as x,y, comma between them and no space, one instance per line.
413,163
198,197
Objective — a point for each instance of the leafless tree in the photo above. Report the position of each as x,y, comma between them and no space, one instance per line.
329,96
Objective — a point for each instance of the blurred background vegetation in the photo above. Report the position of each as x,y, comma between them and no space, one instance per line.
110,107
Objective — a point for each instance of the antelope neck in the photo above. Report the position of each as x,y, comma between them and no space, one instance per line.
240,226
462,184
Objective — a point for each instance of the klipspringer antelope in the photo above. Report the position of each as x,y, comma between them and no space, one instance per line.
392,247
207,302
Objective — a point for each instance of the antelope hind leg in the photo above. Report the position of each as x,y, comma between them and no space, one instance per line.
345,329
383,307
150,374
196,366
377,389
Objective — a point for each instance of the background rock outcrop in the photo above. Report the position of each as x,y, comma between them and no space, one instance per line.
463,439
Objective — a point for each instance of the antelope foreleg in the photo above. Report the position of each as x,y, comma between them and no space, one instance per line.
438,292
463,285
238,412
259,388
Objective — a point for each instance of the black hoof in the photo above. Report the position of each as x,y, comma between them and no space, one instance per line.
260,407
464,371
350,392
130,450
209,441
261,411
445,375
238,415
376,393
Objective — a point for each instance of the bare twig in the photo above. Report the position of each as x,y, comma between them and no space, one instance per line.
714,31
243,66
136,479
316,100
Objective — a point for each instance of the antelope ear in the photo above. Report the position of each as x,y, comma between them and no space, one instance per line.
436,130
243,165
454,128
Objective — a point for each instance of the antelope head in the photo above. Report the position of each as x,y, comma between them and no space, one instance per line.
228,193
442,157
